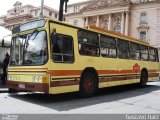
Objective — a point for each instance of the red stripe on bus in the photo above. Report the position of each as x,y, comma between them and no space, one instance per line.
102,79
64,72
64,83
78,72
111,79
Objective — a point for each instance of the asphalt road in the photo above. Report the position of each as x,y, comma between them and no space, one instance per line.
116,100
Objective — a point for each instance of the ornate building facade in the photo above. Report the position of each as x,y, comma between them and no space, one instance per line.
136,18
22,13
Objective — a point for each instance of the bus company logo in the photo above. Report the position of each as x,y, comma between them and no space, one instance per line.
136,68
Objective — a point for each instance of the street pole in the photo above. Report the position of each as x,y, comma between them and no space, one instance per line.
61,9
41,13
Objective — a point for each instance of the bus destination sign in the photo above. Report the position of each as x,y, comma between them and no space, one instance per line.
28,26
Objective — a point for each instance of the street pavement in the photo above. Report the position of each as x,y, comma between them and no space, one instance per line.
116,100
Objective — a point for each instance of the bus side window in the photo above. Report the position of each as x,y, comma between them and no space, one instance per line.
62,48
123,49
135,51
88,43
152,54
108,46
144,53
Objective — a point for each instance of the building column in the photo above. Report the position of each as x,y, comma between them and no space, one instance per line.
122,23
127,23
86,22
97,23
110,22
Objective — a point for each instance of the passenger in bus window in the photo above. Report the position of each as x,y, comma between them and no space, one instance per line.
56,48
56,51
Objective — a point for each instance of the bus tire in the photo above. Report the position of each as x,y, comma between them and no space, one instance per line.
88,85
143,79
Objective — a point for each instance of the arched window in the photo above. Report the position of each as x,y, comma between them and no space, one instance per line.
93,22
105,19
117,28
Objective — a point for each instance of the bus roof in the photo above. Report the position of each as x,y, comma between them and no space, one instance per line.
114,34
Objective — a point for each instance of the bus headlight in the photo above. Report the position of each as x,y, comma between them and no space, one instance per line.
10,77
37,78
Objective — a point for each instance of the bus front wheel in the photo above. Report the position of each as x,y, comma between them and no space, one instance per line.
88,85
143,79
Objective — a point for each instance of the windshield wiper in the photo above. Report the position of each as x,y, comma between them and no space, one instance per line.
34,32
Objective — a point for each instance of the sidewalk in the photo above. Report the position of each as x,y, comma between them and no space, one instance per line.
3,89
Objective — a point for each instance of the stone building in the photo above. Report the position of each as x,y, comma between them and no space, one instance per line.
22,13
136,18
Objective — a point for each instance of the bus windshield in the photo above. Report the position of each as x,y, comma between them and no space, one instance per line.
29,49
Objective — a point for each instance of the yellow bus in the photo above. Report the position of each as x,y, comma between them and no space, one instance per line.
55,57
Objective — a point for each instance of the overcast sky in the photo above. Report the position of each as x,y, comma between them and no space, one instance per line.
8,4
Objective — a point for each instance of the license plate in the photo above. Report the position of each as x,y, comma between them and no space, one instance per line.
22,86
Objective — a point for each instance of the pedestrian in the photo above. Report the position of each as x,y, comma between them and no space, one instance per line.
5,66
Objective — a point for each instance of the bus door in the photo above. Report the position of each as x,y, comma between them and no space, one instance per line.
62,53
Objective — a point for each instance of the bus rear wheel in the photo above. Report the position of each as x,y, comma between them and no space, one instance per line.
143,79
88,85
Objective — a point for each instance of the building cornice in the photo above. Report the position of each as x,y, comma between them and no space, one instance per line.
101,4
71,14
80,3
145,3
19,16
45,7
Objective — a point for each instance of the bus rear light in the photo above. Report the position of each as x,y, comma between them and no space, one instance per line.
10,77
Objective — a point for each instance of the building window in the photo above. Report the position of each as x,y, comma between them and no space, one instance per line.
76,9
75,22
50,13
117,18
143,17
143,35
144,0
105,20
93,22
36,13
117,28
22,11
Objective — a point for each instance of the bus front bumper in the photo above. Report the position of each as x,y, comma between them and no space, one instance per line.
24,86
